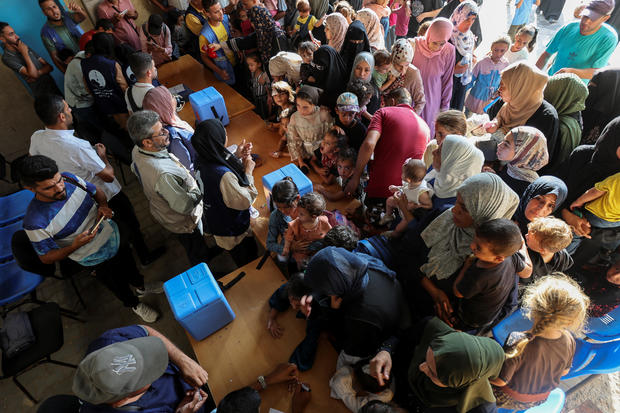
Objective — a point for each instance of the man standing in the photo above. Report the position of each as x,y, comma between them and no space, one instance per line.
143,67
65,220
123,14
585,46
195,17
395,133
62,29
101,26
136,368
213,42
156,40
77,156
26,63
174,196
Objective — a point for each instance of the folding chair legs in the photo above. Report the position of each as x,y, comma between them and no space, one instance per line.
23,389
46,360
77,292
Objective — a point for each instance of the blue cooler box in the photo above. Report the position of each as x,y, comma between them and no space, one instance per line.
209,104
197,302
304,184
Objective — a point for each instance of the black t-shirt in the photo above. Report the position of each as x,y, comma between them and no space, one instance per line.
426,5
561,261
486,290
356,133
517,185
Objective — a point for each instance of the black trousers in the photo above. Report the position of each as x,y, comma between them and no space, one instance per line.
196,247
458,94
125,213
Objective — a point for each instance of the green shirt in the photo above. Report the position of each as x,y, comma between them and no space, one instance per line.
67,38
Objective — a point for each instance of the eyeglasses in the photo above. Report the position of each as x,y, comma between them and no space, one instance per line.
162,134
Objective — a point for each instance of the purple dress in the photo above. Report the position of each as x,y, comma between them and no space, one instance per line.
436,75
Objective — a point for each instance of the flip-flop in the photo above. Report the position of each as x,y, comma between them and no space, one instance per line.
275,154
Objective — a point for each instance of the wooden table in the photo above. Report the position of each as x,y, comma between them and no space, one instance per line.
237,354
193,74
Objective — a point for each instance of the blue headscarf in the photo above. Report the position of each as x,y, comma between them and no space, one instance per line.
544,185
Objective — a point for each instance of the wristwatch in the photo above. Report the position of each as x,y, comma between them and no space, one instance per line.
262,382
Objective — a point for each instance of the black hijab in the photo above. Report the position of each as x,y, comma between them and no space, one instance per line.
209,141
544,185
330,73
356,32
602,103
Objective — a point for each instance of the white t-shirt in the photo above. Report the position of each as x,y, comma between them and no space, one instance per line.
74,155
512,57
138,91
413,194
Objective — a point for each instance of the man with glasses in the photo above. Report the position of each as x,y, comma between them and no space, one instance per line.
174,195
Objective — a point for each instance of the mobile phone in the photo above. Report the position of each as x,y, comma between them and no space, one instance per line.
96,226
124,12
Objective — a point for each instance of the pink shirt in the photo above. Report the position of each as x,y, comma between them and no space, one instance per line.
163,40
402,21
125,30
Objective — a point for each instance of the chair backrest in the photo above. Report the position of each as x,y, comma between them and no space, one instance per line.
6,234
15,283
595,358
517,321
26,256
605,328
13,207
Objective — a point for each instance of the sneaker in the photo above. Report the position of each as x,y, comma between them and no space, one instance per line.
146,312
155,287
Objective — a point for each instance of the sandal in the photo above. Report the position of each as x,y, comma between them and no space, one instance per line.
275,154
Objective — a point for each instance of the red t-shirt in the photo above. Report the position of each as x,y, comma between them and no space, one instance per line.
404,135
86,37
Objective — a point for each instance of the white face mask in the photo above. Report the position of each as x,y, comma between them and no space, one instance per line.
394,72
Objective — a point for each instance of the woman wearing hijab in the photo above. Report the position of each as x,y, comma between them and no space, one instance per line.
587,165
267,37
449,8
434,57
602,104
329,72
362,69
374,30
525,150
439,367
409,76
522,103
464,42
335,29
229,190
161,101
540,199
567,93
355,42
285,66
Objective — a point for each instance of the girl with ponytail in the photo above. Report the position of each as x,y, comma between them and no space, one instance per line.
538,358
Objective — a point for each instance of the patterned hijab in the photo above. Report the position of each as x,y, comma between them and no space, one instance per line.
530,153
460,159
160,101
402,51
465,43
486,197
338,26
525,84
440,30
374,30
266,31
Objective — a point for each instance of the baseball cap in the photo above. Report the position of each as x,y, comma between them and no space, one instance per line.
119,369
348,102
598,8
155,22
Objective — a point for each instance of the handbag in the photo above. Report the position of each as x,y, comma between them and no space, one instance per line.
16,334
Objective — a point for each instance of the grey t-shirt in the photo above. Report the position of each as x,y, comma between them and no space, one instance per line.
44,84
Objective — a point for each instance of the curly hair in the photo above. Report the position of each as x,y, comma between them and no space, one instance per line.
313,202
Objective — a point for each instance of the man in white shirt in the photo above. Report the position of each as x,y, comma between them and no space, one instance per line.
75,155
143,67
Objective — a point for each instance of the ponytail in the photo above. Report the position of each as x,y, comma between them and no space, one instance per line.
531,31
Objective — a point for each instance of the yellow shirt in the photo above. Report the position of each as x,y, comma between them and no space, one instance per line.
222,36
193,24
301,21
607,207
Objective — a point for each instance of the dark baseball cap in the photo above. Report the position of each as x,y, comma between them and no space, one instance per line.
155,22
596,9
120,369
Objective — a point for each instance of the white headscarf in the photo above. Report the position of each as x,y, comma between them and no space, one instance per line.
460,159
286,64
486,197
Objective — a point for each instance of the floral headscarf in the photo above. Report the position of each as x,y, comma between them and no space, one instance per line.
374,30
465,43
530,153
266,31
338,28
402,51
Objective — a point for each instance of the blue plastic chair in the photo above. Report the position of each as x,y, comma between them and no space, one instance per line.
595,358
15,283
517,321
605,328
553,404
13,207
6,233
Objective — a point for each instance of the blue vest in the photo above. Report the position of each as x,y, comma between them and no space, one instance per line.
220,219
100,75
221,60
48,31
191,10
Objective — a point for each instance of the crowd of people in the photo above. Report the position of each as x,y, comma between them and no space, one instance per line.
475,183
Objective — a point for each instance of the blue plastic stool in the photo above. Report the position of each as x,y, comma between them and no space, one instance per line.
16,283
6,233
553,404
13,207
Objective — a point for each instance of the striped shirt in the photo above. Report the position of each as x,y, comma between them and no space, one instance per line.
54,225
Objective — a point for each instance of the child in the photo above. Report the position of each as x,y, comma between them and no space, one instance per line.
449,122
547,239
343,7
486,76
326,156
284,98
363,91
537,359
307,127
306,51
354,385
245,23
347,159
487,282
305,23
526,36
285,196
414,189
259,81
522,16
310,225
402,10
347,108
423,28
382,75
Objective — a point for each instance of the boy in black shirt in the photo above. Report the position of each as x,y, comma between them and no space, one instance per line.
347,108
547,239
488,282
